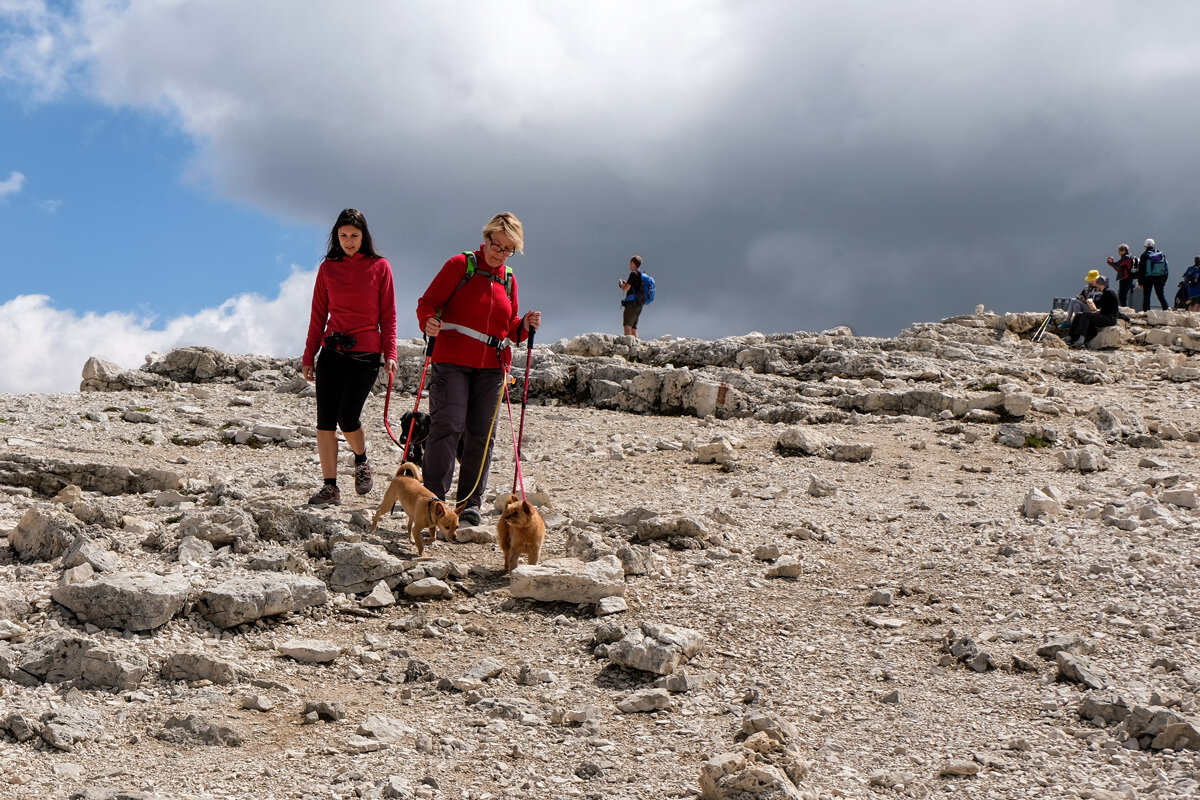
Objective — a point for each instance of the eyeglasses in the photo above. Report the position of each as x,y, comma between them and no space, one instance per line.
504,251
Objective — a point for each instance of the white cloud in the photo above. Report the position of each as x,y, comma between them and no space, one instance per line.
49,206
48,347
12,184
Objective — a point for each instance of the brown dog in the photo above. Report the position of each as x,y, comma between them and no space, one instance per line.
424,510
521,532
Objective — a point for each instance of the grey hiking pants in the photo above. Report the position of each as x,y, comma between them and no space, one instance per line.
462,404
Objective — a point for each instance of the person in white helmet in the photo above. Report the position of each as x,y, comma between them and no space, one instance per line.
1152,274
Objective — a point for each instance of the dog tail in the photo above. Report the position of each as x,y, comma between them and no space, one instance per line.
410,469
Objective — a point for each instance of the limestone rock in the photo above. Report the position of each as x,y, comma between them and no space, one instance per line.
218,526
106,376
194,729
644,700
1079,670
309,651
359,566
58,656
657,528
429,589
134,601
200,667
656,648
568,580
48,476
42,536
247,598
730,776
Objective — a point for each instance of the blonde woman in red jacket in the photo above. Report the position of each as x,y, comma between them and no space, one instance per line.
473,313
353,322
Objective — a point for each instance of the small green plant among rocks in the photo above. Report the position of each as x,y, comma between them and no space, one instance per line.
1036,442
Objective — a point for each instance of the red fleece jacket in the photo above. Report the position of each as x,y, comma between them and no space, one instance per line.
481,304
351,294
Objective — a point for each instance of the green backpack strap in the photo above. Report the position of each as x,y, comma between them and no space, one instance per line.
472,268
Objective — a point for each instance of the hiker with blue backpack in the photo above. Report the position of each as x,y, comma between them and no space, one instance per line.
639,291
1152,274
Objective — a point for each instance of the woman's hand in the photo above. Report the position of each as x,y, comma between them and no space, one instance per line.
307,371
433,327
390,365
533,320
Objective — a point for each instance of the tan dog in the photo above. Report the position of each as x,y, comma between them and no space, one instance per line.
521,532
424,510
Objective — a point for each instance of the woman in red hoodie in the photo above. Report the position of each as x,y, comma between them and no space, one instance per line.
471,309
354,323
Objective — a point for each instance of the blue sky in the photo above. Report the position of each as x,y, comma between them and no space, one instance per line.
169,169
109,218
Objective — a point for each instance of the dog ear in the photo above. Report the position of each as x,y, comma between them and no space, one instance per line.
528,509
439,509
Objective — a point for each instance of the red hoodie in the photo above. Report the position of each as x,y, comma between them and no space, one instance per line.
351,294
480,304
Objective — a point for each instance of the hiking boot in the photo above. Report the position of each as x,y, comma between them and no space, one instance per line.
328,496
1078,344
470,517
362,477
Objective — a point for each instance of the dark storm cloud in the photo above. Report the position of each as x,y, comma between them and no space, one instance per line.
779,165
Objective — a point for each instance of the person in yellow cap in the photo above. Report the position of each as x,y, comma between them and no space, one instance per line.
1079,303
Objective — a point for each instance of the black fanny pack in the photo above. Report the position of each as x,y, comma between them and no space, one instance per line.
340,341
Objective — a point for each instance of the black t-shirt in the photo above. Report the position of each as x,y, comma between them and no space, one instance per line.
1107,303
635,285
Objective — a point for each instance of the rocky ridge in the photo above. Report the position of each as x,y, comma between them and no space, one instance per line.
809,565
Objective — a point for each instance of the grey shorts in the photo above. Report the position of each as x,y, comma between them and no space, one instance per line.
629,317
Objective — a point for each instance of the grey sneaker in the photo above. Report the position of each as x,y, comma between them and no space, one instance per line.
328,496
362,478
469,517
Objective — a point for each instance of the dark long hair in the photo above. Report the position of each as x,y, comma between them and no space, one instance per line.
350,216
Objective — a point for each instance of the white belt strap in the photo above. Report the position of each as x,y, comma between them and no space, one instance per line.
490,341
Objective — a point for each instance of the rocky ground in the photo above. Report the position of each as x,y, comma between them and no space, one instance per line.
956,563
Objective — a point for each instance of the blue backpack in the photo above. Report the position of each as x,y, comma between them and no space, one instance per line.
646,295
1155,264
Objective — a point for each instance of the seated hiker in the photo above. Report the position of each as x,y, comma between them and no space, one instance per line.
1102,313
1188,295
1079,303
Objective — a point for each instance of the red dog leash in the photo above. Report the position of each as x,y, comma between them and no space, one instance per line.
420,388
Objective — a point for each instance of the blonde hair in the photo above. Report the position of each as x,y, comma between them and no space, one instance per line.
508,224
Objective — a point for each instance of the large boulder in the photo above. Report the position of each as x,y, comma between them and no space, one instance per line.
247,598
105,376
656,648
60,656
42,536
49,476
568,580
134,601
358,567
220,526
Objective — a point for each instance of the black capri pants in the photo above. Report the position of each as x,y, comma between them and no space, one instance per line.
343,382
